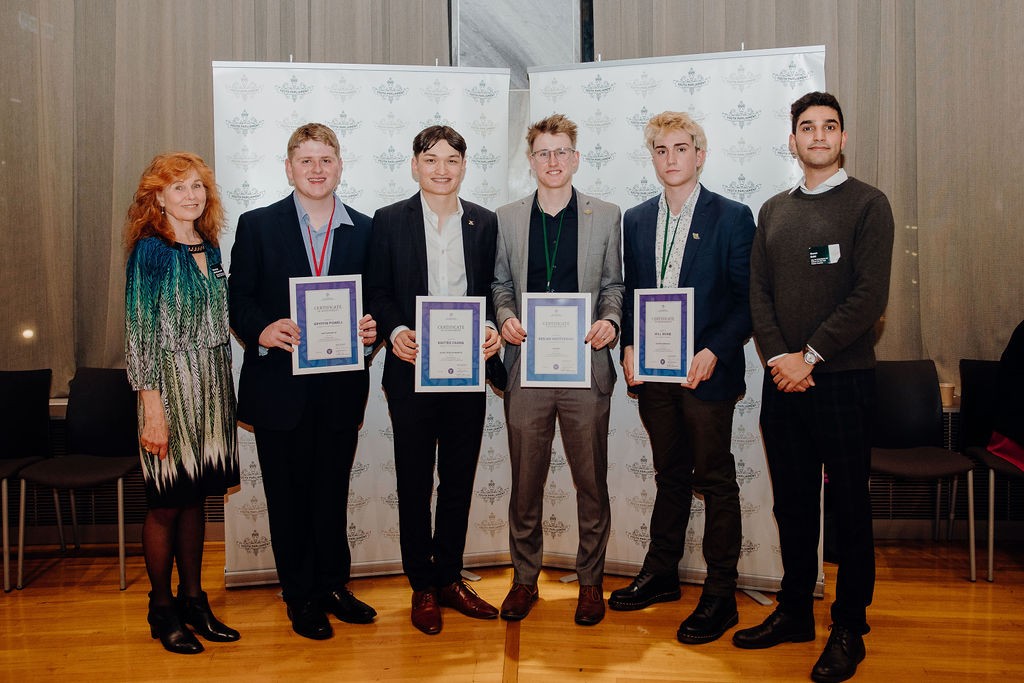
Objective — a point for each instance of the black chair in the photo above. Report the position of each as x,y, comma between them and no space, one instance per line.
102,445
24,434
979,403
907,436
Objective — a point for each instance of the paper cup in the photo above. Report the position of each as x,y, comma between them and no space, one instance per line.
946,391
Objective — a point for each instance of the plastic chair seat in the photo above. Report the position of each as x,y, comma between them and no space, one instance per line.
923,462
79,471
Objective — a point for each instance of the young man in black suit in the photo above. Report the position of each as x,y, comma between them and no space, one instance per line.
432,244
306,426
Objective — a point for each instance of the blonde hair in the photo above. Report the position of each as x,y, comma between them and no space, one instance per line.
317,132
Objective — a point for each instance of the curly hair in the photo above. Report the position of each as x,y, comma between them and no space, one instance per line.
144,218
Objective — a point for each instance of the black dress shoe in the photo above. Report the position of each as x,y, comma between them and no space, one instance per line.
196,613
165,624
309,621
713,616
778,628
838,661
347,607
646,589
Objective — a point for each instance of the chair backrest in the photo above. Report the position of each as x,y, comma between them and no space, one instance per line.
25,413
908,407
979,401
102,418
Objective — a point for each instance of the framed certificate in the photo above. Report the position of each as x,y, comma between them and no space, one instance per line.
554,354
327,310
662,334
450,334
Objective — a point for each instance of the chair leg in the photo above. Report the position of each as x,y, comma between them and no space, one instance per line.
7,539
938,508
60,521
21,533
121,530
952,508
991,519
74,519
970,524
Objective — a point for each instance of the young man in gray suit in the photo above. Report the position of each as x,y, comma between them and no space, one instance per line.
558,240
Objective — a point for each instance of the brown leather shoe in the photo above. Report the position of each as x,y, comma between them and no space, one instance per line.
460,596
519,601
426,613
590,608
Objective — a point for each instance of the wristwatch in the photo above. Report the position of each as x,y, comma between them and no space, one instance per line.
810,357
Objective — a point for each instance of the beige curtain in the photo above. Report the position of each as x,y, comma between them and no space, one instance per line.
94,88
932,100
99,87
37,221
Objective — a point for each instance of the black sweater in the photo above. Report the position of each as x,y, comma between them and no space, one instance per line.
831,306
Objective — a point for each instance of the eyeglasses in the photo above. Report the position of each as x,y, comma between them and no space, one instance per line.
562,153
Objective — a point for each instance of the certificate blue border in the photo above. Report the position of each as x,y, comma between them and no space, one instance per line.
356,357
582,322
641,316
423,336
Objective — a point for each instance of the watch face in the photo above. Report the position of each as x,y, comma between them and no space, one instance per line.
810,358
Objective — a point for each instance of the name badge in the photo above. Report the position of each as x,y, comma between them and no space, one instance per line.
217,270
824,255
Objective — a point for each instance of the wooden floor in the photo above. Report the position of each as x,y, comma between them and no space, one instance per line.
929,623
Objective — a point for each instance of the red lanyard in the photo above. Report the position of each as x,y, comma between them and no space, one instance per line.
319,267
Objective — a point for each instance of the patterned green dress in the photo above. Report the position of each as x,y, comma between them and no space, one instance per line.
177,342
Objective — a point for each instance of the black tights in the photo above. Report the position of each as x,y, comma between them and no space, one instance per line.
170,534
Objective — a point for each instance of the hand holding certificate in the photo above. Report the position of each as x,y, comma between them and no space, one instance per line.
554,353
327,310
663,334
450,334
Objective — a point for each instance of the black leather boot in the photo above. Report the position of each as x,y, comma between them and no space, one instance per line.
196,613
165,624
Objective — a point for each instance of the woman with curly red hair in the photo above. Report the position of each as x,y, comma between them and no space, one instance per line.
179,361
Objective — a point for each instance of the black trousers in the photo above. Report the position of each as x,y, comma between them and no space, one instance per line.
690,441
443,429
828,425
306,478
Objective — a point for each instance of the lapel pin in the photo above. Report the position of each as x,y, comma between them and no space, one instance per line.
587,211
470,222
696,235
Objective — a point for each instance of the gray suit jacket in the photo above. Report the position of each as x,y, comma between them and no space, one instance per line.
598,263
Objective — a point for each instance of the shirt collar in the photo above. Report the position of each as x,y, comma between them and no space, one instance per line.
341,216
688,204
837,179
429,214
570,208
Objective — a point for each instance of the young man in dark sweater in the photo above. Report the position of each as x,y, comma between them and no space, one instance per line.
819,282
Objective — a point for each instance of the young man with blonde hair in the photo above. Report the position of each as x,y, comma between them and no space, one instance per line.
689,236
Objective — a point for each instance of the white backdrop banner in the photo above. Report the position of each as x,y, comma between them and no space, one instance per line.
742,100
375,111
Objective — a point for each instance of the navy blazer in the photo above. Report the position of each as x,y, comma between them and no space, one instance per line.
268,250
716,263
398,274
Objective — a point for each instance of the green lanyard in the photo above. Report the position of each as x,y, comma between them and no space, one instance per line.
666,246
549,254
